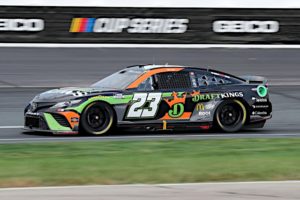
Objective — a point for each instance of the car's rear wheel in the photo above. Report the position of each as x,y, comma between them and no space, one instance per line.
97,119
231,115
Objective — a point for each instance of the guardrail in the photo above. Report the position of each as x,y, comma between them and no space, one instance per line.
36,24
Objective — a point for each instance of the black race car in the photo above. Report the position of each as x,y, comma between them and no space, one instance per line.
154,97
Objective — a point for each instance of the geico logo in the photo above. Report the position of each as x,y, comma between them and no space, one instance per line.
136,25
21,24
245,26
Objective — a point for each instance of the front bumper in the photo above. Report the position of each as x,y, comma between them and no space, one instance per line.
57,123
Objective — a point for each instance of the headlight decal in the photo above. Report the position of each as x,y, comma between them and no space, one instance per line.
67,103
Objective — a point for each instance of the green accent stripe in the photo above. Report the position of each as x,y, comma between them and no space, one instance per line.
53,124
108,99
167,94
112,100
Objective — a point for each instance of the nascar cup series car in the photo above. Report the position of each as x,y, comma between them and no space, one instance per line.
154,97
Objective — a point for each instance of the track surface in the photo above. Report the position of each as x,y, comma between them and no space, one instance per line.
65,67
287,190
82,66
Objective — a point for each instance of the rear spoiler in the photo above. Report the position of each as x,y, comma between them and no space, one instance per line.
255,79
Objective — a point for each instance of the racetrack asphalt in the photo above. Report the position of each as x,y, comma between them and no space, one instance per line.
26,72
285,190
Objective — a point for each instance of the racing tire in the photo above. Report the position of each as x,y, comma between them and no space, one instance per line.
97,119
231,116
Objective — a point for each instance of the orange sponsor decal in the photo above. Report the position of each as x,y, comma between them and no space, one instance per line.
176,104
70,116
176,99
195,93
185,115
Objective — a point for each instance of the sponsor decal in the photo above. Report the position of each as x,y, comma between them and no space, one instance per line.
118,96
204,97
259,100
200,106
231,95
196,96
74,119
21,25
259,113
240,26
176,110
176,104
262,91
129,25
209,106
260,106
204,115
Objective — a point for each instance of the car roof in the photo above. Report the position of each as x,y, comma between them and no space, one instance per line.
149,67
153,66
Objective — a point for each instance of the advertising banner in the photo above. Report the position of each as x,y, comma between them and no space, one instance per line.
25,24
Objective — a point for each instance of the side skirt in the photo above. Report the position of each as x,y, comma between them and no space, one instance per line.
166,126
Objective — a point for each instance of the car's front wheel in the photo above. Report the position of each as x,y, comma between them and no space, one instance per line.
97,119
231,115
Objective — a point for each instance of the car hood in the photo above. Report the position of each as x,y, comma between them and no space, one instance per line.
69,93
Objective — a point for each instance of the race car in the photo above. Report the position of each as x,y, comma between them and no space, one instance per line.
154,98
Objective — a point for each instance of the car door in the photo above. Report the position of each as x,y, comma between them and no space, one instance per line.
163,96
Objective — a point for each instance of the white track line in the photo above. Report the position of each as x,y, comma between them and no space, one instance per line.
11,127
145,185
163,136
178,46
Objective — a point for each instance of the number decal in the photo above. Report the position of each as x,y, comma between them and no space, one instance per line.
135,110
154,99
138,109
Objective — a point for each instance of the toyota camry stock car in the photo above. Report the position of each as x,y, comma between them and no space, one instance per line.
154,97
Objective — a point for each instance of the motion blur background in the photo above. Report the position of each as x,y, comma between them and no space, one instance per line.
47,44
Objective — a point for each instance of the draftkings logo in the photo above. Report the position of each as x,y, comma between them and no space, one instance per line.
135,25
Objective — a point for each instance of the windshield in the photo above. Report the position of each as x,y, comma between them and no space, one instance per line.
119,80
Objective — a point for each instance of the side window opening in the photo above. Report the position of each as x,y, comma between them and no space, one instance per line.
173,80
146,85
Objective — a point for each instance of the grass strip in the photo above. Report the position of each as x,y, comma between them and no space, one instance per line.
123,162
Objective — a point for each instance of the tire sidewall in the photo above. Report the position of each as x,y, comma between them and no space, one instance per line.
241,122
84,126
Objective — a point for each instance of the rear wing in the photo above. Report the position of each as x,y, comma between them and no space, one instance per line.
255,79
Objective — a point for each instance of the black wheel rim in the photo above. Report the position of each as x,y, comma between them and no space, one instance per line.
96,117
230,115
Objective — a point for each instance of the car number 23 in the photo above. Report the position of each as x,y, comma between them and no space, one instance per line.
144,105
